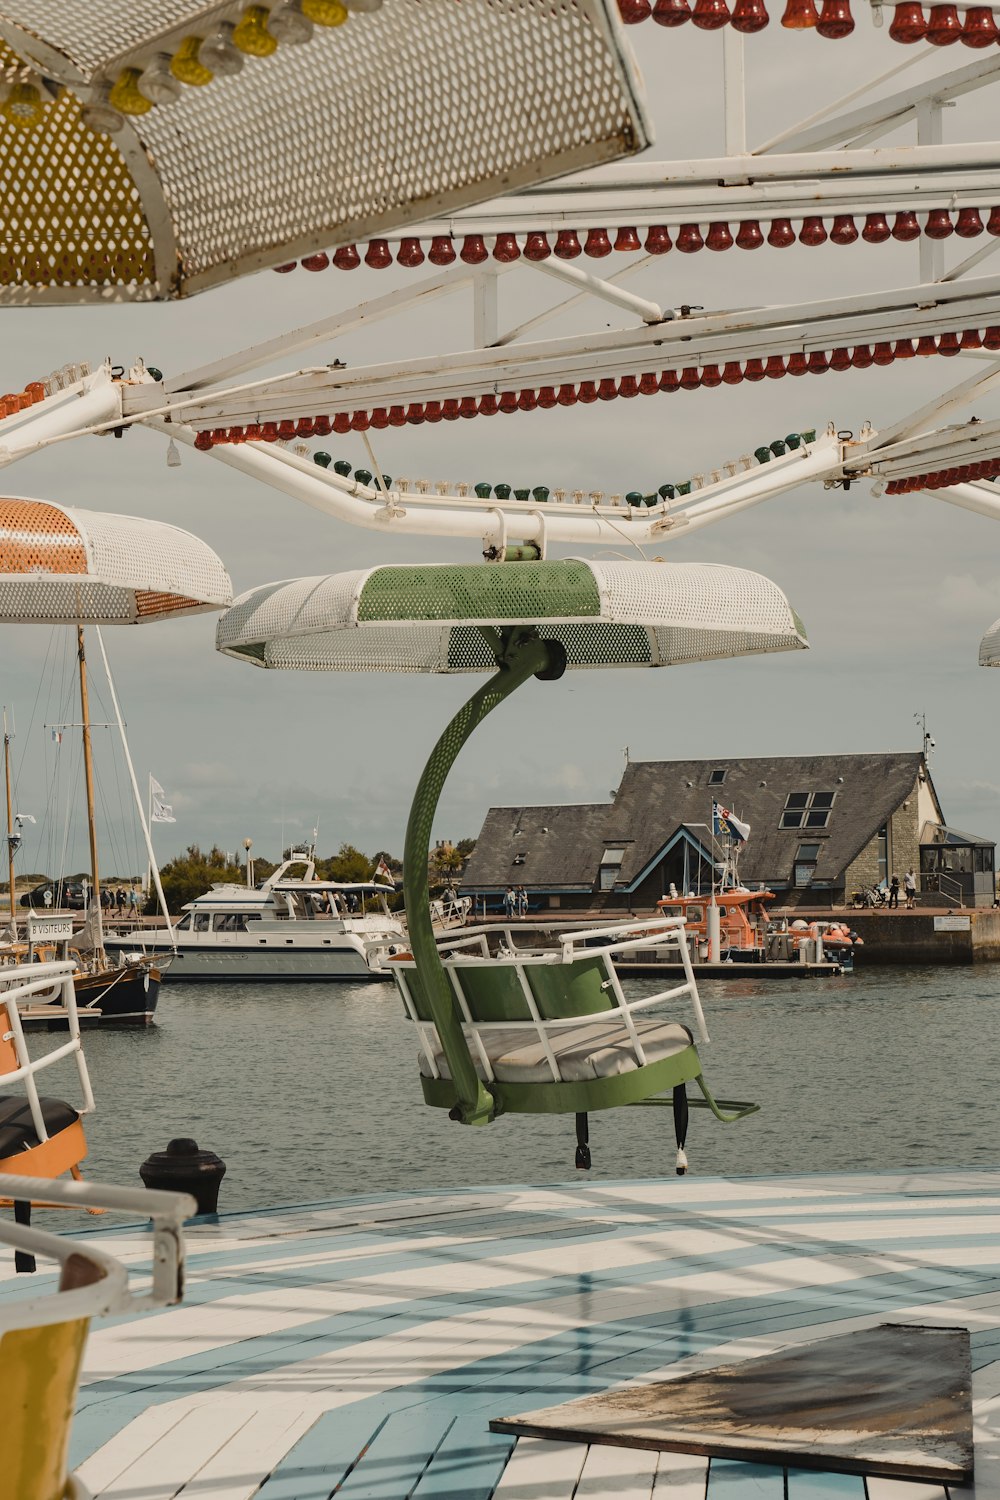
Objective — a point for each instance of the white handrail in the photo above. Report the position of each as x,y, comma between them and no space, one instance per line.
109,1294
21,983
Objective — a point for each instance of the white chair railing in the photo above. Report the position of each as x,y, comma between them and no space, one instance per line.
471,950
23,983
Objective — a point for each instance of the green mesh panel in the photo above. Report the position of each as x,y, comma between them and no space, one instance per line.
505,591
597,645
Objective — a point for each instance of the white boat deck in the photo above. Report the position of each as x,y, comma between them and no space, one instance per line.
361,1347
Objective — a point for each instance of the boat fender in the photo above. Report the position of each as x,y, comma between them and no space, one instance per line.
858,941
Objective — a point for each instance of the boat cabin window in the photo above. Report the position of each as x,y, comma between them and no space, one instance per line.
695,914
201,921
230,922
184,925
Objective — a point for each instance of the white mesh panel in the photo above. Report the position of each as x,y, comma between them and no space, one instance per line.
60,601
298,607
151,555
704,599
989,647
393,117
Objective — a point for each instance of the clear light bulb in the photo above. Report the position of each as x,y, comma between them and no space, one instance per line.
218,54
173,457
289,25
157,82
99,116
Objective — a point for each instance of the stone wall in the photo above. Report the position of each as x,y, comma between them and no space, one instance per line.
904,850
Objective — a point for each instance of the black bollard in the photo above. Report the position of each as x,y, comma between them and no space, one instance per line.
182,1168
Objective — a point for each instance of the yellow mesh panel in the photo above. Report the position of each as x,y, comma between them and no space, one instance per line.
70,214
35,536
41,1374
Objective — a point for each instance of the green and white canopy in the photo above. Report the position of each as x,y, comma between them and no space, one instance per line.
432,619
989,646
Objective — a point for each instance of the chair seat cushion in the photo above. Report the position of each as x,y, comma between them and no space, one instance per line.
17,1132
595,1049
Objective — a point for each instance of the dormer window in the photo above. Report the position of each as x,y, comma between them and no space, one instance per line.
611,864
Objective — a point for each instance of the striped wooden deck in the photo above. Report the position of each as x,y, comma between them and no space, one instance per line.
360,1347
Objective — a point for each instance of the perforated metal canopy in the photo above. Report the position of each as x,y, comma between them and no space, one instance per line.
63,566
160,147
989,647
429,619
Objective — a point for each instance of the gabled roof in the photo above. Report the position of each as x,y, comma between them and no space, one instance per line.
561,844
656,796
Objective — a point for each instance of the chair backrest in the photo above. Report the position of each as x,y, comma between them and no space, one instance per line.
573,989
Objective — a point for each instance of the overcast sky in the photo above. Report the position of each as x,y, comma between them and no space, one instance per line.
895,592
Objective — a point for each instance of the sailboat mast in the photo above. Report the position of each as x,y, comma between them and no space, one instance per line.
88,776
10,826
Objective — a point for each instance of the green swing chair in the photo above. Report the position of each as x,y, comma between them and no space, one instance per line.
503,1030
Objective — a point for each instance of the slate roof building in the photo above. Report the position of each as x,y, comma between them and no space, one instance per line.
822,826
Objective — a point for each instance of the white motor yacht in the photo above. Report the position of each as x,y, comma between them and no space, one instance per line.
285,928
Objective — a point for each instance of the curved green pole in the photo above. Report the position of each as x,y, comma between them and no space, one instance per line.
520,655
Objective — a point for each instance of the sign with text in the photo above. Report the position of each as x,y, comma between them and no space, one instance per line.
952,924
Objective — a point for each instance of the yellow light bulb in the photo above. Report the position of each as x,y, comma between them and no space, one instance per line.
186,66
250,34
23,106
124,94
325,12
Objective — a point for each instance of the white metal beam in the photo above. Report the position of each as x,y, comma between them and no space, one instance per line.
572,275
927,417
983,499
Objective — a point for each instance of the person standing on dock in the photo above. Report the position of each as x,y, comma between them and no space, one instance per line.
910,884
894,891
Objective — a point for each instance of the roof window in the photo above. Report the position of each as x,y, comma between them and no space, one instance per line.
718,776
807,809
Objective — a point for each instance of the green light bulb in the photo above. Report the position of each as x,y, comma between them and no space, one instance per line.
778,448
363,476
793,441
323,459
685,488
634,497
540,493
762,455
502,491
484,491
343,468
666,492
522,494
810,436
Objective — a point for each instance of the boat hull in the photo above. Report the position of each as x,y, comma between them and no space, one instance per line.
116,997
265,965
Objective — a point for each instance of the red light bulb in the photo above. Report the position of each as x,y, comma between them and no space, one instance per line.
749,236
597,244
991,338
252,431
628,386
634,11
719,237
908,22
536,246
607,390
658,240
903,349
321,428
341,423
797,364
648,385
753,369
289,265
711,376
410,253
800,15
473,251
506,249
689,239
732,373
379,418
415,413
944,27
882,354
980,28
627,239
203,440
442,251
567,245
876,230
432,411
971,339
969,223
840,359
926,346
906,226
844,230
359,423
671,12
813,232
508,402
670,381
467,407
488,405
835,20
710,15
781,234
315,262
749,16
378,255
527,401
397,416
775,367
347,258
939,225
304,427
587,392
862,357
949,345
286,430
566,395
993,222
690,378
547,397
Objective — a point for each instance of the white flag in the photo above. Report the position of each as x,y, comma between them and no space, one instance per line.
160,811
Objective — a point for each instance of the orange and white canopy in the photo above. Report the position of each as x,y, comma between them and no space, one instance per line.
65,566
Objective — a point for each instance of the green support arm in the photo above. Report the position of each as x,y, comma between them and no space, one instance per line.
520,655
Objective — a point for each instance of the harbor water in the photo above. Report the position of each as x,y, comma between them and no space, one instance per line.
311,1091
